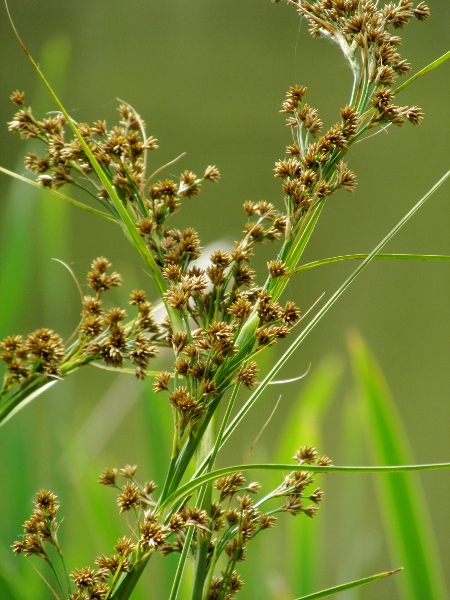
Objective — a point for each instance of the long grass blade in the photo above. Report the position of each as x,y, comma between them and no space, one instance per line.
57,194
277,286
423,71
22,398
401,498
128,224
334,259
191,486
347,586
296,343
181,564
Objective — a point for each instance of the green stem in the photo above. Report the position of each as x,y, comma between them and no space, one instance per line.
170,472
181,563
50,564
128,583
206,446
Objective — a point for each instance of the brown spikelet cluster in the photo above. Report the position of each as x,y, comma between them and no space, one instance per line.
231,522
122,153
228,525
105,335
41,528
363,30
314,169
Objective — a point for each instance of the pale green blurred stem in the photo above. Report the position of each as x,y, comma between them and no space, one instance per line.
50,564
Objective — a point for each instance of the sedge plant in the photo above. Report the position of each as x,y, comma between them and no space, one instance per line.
217,320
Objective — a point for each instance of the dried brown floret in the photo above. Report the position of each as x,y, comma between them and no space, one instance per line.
212,173
415,115
324,461
129,497
83,578
267,521
47,347
289,167
421,12
345,178
18,98
310,511
240,309
113,564
317,496
161,382
229,485
290,313
306,454
114,316
385,75
98,279
129,471
245,276
138,297
108,477
172,272
209,388
189,408
247,374
276,268
124,546
189,184
176,297
146,226
153,535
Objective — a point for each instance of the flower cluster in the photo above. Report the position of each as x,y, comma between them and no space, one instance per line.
40,353
121,152
218,318
102,335
228,525
41,528
314,169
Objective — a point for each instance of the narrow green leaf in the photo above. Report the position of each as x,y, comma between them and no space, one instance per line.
327,261
401,498
347,586
57,194
128,224
181,564
296,343
351,562
423,71
23,397
189,487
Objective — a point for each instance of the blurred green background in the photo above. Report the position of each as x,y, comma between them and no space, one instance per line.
208,77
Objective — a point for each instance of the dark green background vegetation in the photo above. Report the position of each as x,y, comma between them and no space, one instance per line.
208,77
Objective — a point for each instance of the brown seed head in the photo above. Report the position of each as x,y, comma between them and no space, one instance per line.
129,497
108,477
128,471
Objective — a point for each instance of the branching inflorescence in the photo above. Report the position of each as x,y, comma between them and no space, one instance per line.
222,318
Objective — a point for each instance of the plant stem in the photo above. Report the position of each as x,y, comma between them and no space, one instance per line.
207,445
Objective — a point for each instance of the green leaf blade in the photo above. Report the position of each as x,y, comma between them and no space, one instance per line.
348,586
400,495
